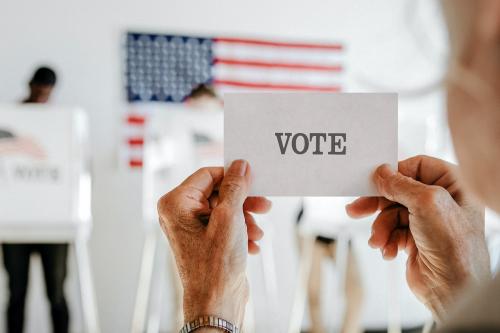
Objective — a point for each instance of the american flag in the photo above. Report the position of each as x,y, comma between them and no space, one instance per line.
165,68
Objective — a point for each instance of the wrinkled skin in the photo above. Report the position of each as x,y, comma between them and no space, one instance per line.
424,211
209,226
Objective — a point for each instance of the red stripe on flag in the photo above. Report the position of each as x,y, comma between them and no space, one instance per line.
334,47
136,119
135,163
265,64
137,141
253,85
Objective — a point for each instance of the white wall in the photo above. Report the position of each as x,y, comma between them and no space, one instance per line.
83,41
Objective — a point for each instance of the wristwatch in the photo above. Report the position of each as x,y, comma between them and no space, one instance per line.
209,321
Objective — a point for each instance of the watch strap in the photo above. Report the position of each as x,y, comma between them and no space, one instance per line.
209,321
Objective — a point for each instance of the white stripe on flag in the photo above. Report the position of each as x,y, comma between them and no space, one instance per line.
276,76
277,54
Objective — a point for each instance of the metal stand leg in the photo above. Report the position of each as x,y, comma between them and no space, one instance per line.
158,287
144,285
341,260
394,316
269,271
87,293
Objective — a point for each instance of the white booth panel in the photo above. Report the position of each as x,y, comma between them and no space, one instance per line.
178,141
44,177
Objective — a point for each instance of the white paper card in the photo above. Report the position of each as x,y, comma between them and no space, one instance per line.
311,144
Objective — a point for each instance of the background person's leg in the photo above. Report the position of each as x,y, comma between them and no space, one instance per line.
353,292
54,260
16,259
315,288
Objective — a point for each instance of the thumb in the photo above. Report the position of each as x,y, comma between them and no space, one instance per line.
400,188
235,185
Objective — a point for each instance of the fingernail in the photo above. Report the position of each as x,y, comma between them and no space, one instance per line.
352,203
385,171
370,244
269,202
239,167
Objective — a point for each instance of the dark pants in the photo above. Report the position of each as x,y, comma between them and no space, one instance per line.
16,259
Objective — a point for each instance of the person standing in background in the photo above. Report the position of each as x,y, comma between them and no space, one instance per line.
54,256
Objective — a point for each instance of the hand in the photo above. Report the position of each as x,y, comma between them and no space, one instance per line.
208,223
425,212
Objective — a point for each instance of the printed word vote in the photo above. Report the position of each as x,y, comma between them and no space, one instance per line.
320,143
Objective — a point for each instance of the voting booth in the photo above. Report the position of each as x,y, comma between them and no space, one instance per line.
178,141
43,171
45,187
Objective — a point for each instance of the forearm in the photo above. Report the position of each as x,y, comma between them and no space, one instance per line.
233,312
227,302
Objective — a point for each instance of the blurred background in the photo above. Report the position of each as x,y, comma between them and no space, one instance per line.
131,66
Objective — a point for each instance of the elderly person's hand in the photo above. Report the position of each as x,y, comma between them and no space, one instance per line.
209,226
424,211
